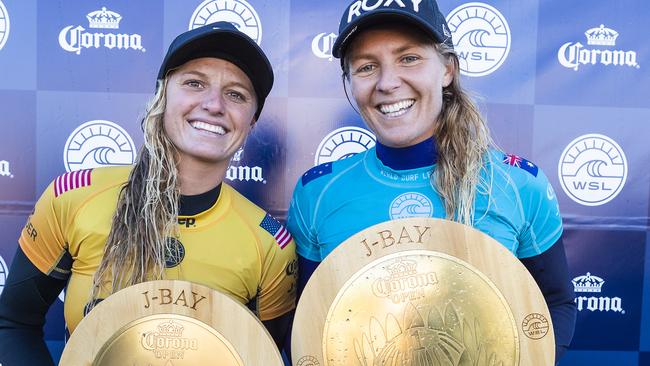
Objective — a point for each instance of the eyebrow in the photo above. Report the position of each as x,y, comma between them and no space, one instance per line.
397,51
229,83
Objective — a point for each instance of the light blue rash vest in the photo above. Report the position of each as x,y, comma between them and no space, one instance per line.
331,202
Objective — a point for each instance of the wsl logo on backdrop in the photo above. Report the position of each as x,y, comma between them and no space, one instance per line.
481,38
5,170
238,12
4,271
244,173
592,169
322,44
588,288
4,25
410,204
98,143
73,39
343,143
601,39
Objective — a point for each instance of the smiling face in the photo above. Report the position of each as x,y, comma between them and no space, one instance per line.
209,112
396,77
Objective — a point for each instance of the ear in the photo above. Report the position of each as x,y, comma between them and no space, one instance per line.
448,76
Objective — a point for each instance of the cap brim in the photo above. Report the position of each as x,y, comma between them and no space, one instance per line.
377,17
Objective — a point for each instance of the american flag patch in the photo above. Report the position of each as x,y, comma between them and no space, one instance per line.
279,232
70,181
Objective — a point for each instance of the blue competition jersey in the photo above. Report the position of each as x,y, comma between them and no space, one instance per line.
515,205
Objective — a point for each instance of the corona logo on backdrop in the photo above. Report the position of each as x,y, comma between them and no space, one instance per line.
238,12
600,40
4,25
481,38
244,173
343,143
322,44
5,170
588,288
592,169
98,143
106,23
4,272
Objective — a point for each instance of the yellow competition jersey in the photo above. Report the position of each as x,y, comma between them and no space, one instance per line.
234,246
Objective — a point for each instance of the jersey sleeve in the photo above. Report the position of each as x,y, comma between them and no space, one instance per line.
543,225
298,223
277,292
43,237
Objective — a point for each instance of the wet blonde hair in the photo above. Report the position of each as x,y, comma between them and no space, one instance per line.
462,139
147,210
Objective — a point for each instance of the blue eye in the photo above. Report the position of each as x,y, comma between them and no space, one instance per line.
193,83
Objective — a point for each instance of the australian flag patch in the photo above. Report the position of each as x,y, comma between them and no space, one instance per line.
315,172
519,162
279,232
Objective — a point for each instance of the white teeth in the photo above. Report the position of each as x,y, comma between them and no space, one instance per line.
208,127
396,109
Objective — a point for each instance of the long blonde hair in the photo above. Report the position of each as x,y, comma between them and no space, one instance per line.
146,213
462,139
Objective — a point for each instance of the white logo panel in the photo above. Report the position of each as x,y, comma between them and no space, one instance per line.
98,143
4,272
410,204
238,12
343,143
5,169
572,55
4,25
321,45
588,289
481,38
592,169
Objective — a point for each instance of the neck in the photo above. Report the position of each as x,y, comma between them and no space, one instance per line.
195,204
197,177
411,157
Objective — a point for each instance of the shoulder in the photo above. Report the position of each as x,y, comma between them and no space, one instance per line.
81,183
322,174
516,169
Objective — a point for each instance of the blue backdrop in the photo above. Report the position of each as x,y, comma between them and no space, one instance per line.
564,84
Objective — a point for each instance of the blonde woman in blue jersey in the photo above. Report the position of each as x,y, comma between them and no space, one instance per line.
433,156
169,216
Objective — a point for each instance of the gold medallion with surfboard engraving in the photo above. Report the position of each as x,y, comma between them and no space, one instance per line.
420,308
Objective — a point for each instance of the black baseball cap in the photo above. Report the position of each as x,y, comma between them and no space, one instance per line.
224,41
361,14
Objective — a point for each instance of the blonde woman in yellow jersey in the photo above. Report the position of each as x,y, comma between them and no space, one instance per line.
168,216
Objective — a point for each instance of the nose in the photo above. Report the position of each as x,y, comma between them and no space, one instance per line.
213,102
389,80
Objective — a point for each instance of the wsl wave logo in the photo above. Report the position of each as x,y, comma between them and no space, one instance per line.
343,143
589,285
73,39
4,25
98,143
573,55
592,169
5,170
410,204
321,45
4,272
481,38
238,12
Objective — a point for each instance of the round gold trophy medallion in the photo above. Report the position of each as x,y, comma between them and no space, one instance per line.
422,292
170,323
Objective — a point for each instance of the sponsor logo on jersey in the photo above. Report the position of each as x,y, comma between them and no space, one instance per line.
238,12
107,22
5,169
98,143
4,25
279,232
343,143
174,252
410,204
4,272
481,38
601,39
322,44
592,169
588,289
